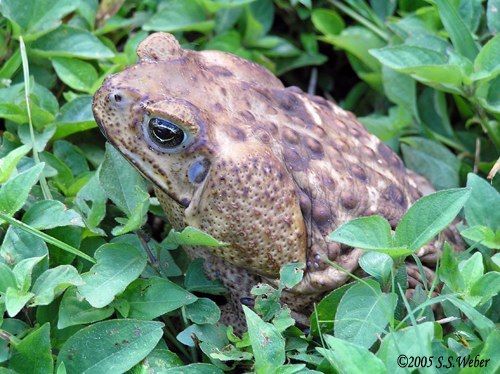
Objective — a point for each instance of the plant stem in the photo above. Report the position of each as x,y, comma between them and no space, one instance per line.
192,350
43,182
492,131
151,258
170,336
47,238
8,337
360,19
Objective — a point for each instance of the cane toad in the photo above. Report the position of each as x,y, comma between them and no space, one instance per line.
269,169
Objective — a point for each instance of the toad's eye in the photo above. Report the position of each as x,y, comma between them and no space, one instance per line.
165,134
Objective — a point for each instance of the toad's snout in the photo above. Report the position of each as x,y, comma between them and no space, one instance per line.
112,106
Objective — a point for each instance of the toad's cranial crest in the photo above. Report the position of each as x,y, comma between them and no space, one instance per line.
268,169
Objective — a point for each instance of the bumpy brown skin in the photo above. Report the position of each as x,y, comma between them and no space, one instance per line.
284,168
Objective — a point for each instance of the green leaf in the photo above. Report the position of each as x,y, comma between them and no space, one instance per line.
383,8
129,194
304,59
400,89
215,335
327,21
8,163
7,278
64,177
94,214
283,319
230,353
225,19
274,47
36,17
121,181
267,302
19,244
15,300
23,271
412,341
137,217
153,297
203,311
10,65
482,235
53,282
492,17
33,354
291,274
13,112
460,35
67,41
77,74
433,111
484,325
363,313
377,264
358,41
195,280
175,15
41,138
486,287
471,12
216,5
268,345
471,269
72,156
431,160
75,116
194,369
190,236
388,127
488,94
157,361
258,20
74,310
448,270
490,354
117,266
482,206
347,357
486,63
47,214
423,64
373,232
428,216
112,346
14,193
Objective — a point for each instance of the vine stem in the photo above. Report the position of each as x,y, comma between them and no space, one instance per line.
26,73
47,238
362,20
493,133
8,337
192,350
171,338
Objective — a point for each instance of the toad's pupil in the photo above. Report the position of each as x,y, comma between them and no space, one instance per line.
165,133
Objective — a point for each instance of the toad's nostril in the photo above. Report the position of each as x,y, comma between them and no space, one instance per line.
115,97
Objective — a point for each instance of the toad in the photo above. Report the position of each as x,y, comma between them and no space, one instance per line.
268,169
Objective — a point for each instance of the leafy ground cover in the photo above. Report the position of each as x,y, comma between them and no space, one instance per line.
91,282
